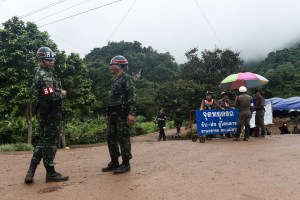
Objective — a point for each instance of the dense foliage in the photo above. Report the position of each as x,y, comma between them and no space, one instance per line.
282,68
159,80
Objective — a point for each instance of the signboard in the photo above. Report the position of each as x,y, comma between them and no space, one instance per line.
216,121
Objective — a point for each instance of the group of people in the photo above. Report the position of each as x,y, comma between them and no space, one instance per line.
244,103
121,110
120,116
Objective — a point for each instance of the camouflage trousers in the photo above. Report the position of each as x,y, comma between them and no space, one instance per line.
118,138
48,140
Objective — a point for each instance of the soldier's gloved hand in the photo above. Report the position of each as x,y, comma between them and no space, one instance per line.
130,119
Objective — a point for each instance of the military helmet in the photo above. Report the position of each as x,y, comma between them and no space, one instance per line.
242,89
45,53
119,60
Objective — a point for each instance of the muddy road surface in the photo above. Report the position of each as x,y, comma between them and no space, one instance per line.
262,168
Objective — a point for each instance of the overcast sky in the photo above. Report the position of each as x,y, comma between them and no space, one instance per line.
253,27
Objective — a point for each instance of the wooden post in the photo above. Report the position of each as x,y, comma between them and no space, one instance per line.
28,114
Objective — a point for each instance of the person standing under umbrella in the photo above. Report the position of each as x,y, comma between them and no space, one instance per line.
244,103
260,113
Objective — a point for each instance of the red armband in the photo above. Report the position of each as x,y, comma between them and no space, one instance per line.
48,90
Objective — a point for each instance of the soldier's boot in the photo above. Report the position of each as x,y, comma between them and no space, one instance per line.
236,136
30,173
124,167
256,132
247,133
263,133
164,136
53,176
114,164
159,137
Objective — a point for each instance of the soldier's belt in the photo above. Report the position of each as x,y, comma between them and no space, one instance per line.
115,109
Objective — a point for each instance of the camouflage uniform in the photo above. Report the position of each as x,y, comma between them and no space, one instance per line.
121,103
259,116
48,91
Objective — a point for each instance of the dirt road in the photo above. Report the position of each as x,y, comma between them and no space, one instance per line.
266,168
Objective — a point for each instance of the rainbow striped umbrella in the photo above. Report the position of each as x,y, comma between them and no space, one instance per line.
247,79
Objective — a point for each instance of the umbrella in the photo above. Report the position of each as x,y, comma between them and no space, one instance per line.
247,79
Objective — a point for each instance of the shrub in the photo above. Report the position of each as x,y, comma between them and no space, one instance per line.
15,147
14,130
87,132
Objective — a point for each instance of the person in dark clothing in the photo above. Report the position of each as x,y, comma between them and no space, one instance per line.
178,120
284,129
161,122
260,113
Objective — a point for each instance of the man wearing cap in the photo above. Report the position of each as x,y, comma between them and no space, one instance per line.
120,116
244,103
260,113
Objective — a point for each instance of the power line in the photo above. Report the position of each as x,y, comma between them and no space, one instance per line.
81,13
62,10
41,9
121,21
206,19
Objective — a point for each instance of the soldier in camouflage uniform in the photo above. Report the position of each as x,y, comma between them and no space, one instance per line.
120,115
49,94
260,113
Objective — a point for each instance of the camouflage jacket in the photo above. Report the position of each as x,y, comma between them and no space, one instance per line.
46,87
123,93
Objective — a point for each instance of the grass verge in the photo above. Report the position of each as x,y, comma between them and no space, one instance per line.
15,147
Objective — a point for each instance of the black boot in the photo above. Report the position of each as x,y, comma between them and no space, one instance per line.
263,133
256,132
114,164
247,133
30,173
164,136
236,136
53,176
125,167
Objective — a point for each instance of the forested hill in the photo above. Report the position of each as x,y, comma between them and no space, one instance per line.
282,68
144,62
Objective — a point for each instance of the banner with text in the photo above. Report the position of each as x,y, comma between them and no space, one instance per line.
216,121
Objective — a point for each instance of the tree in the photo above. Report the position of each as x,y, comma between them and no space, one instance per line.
183,94
212,67
282,68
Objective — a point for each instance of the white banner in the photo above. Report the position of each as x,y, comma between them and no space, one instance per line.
268,118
